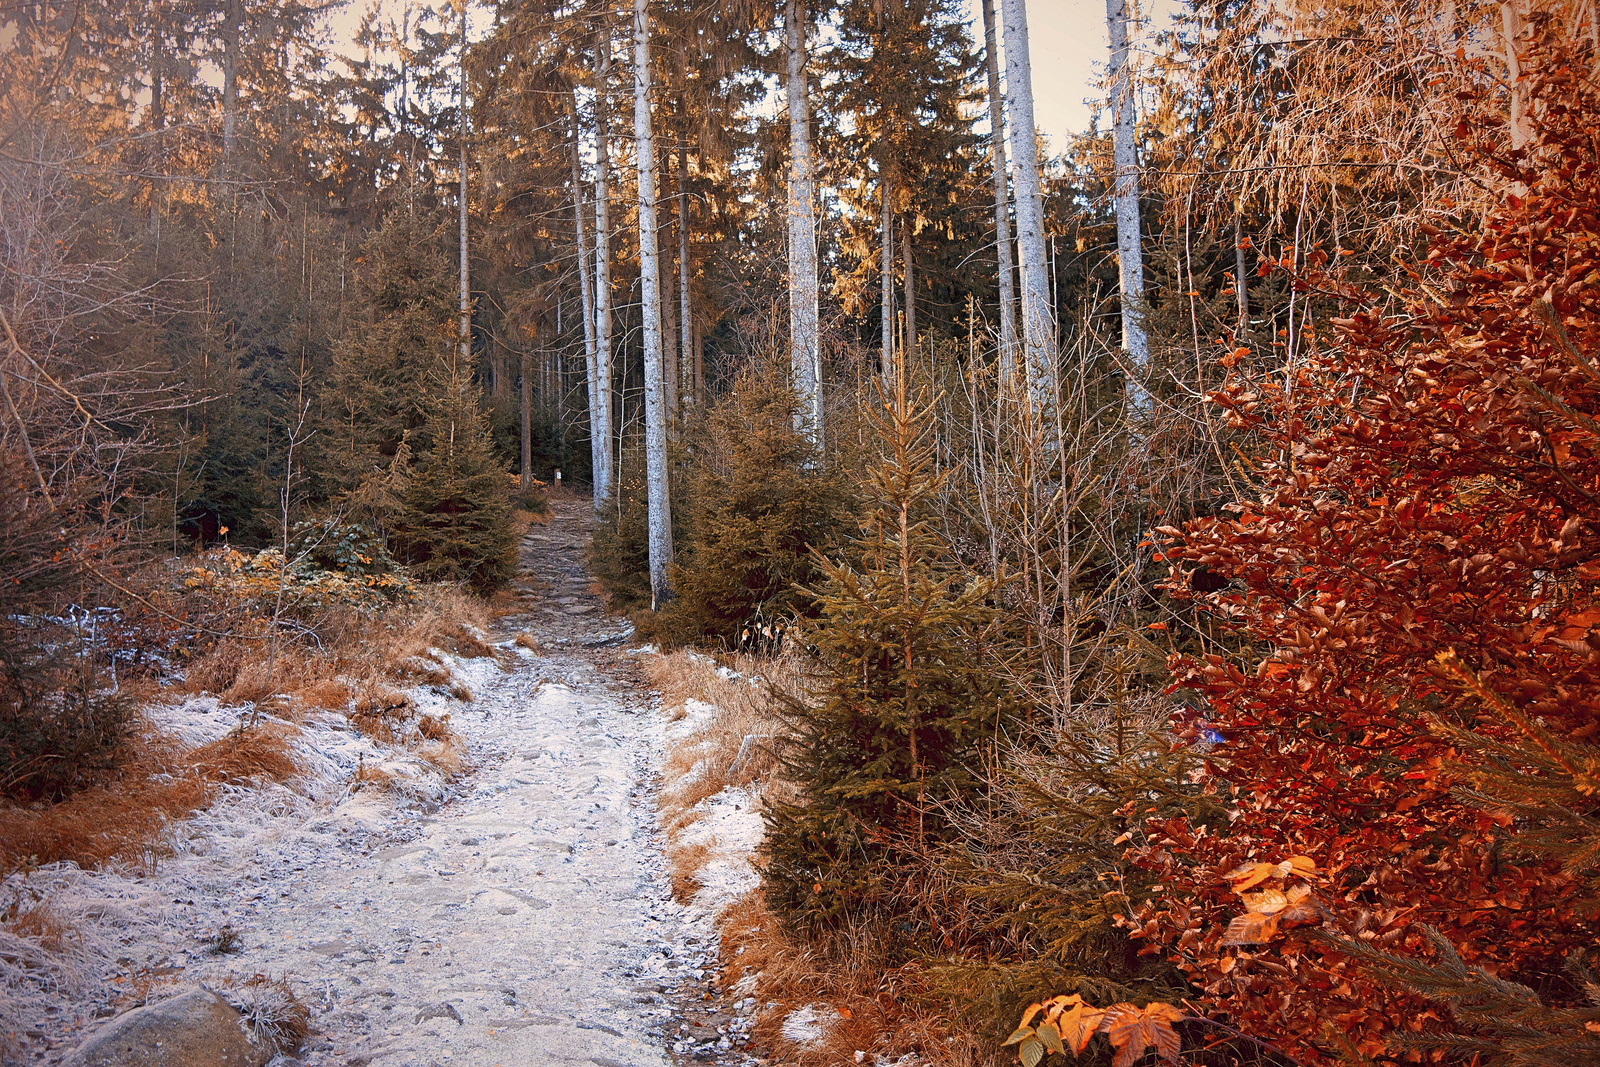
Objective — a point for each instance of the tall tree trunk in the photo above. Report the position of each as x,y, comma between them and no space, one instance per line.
1038,315
886,241
699,362
805,354
466,288
669,322
586,301
602,274
655,400
1125,153
1002,203
690,358
158,123
230,75
527,421
1240,277
911,297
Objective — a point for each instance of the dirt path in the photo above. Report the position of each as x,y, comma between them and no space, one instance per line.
527,923
524,921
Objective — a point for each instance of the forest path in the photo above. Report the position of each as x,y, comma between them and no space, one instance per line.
528,922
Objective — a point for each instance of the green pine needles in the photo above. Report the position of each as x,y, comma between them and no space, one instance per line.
454,523
906,714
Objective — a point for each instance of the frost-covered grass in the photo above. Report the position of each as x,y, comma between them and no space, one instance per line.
812,1005
97,889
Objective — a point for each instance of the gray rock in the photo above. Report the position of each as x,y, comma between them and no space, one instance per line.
193,1029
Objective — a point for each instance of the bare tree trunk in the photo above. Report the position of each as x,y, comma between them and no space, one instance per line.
158,122
1002,203
586,300
466,289
1240,277
691,361
1511,26
886,241
669,325
527,421
805,354
699,362
910,356
230,75
1125,152
655,401
1038,314
602,275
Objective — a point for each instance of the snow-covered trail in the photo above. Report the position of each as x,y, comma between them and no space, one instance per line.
525,924
526,920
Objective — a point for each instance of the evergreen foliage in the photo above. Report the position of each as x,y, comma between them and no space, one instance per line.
905,717
455,519
1043,865
760,499
374,399
619,553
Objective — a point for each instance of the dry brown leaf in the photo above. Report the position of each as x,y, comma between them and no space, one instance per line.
1251,874
1267,902
1132,1030
1251,928
1078,1024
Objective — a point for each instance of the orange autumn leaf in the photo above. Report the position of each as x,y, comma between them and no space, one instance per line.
1077,1022
1132,1030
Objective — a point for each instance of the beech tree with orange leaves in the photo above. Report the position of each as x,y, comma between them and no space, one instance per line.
1408,686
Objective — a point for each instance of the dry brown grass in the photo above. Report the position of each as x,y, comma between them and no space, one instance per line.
447,754
124,819
528,641
251,755
352,671
332,694
733,746
881,1011
684,862
277,1018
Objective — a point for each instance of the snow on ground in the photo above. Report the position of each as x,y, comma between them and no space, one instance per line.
526,921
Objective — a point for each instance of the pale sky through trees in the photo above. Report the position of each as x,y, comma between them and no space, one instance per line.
1069,53
1069,46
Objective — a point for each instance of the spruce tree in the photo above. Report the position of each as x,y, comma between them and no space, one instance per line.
759,501
906,709
374,397
455,520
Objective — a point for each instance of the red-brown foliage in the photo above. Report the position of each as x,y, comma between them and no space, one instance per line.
1434,484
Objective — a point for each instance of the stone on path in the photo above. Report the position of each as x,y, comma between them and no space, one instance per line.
194,1029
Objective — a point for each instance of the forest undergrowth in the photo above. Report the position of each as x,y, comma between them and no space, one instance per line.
1283,760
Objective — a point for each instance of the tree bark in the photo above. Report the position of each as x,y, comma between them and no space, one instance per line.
466,287
911,297
805,355
602,276
1038,315
158,122
669,321
1125,153
586,300
689,357
527,421
886,242
655,401
230,75
1002,203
